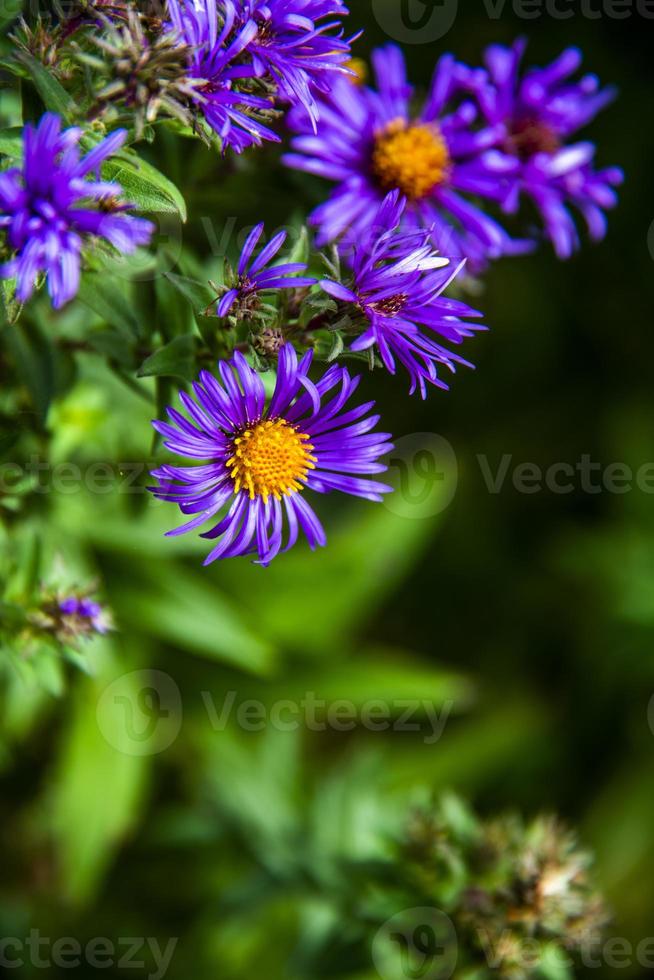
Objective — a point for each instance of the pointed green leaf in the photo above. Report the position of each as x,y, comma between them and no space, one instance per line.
176,359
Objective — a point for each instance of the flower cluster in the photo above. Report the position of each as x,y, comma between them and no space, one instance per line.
539,111
397,284
252,57
71,617
51,207
524,890
425,191
485,134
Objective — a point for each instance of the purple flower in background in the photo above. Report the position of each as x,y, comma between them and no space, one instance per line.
254,277
80,615
258,458
541,110
397,285
370,143
219,37
49,209
299,44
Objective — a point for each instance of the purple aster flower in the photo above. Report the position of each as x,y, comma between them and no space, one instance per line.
397,285
370,143
259,458
81,615
541,110
254,277
299,44
50,209
219,37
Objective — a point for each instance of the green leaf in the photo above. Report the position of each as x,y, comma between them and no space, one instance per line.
365,558
188,610
109,303
176,359
199,294
36,363
300,250
11,141
337,346
11,308
54,95
111,343
97,789
144,185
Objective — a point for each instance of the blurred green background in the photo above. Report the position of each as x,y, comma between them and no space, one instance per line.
526,619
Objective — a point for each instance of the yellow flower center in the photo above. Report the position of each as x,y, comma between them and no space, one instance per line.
270,458
413,157
360,69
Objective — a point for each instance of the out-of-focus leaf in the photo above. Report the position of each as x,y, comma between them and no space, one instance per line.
11,141
315,604
466,755
620,830
112,343
10,10
97,789
176,359
110,303
187,610
382,675
36,363
300,250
